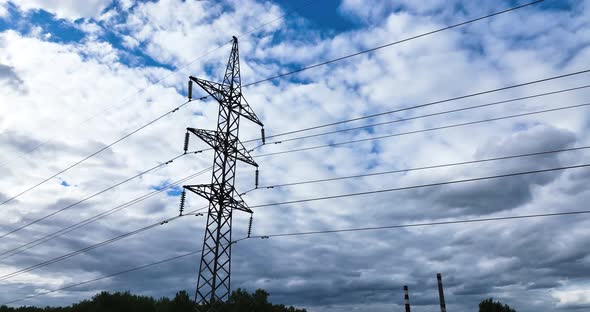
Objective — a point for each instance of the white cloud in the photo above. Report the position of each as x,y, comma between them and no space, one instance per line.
3,9
68,83
39,33
91,28
130,42
71,10
177,31
126,4
572,297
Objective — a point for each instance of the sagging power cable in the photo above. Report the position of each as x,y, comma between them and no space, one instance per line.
39,241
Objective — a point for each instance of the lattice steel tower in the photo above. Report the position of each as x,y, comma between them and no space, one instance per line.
213,284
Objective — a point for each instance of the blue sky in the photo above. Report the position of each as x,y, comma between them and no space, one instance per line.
83,75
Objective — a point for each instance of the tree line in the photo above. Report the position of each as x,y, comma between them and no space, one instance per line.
240,300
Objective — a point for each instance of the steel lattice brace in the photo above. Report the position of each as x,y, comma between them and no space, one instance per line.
213,285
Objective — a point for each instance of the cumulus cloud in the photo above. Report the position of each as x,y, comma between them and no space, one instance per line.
83,95
505,194
71,10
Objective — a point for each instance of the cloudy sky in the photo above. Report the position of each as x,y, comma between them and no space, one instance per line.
77,75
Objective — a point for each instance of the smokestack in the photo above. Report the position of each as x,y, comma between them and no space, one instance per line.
441,294
406,299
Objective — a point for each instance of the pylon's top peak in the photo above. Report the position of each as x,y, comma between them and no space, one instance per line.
235,38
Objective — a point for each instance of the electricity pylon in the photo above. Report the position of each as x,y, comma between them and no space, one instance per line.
213,284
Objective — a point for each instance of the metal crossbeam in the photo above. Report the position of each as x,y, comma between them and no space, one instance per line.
211,192
211,138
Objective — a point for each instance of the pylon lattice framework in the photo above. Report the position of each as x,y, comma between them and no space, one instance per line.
213,283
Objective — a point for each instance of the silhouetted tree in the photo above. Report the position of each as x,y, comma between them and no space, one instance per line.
182,302
241,301
489,305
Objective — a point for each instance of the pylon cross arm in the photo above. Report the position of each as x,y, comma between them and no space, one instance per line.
221,93
242,204
243,155
211,192
247,112
212,139
239,205
208,136
212,88
203,190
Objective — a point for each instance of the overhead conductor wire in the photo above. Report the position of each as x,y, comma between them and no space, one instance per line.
90,156
43,293
95,246
39,241
425,224
357,141
89,197
22,248
394,43
465,96
83,250
419,131
514,174
462,163
528,97
278,235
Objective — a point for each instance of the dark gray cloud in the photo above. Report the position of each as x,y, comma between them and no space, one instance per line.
493,195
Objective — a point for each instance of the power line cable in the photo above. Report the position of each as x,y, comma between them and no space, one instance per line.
421,186
39,145
465,96
314,147
541,153
419,131
91,155
34,243
437,113
393,43
102,243
83,250
95,246
426,115
85,222
89,197
425,224
104,277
